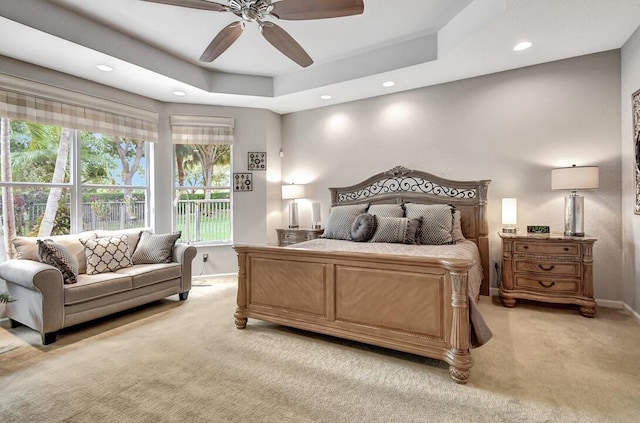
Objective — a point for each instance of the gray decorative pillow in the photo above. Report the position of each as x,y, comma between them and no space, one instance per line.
340,220
456,231
106,254
437,222
363,227
155,248
59,257
396,230
386,210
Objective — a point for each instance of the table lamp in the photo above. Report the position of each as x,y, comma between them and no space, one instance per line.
574,178
293,192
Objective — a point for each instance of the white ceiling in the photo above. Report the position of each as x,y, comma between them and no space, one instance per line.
154,48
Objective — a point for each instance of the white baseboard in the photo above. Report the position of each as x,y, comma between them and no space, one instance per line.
601,303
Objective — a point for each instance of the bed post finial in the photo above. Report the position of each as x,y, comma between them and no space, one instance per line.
398,171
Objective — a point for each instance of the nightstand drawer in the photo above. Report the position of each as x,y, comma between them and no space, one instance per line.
298,237
548,267
294,235
548,285
546,248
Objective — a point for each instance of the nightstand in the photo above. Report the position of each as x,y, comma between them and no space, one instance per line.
550,268
290,236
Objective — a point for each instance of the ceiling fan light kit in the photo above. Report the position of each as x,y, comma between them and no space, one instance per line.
259,11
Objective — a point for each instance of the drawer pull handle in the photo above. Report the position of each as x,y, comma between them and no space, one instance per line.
526,247
547,269
549,285
566,248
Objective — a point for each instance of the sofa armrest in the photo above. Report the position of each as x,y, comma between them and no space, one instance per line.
184,254
39,290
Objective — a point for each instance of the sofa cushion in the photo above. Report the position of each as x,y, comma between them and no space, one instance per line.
90,287
149,274
59,257
155,248
106,254
27,247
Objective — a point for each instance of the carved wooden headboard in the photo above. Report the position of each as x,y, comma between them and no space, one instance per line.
401,185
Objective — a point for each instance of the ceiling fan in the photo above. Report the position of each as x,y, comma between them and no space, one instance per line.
258,10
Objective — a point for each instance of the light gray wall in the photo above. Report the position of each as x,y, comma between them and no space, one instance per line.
511,127
630,70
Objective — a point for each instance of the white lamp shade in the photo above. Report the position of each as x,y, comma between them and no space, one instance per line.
292,191
575,178
509,211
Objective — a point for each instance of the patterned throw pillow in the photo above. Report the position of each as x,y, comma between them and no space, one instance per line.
59,257
340,220
363,228
386,210
437,222
396,230
106,254
155,248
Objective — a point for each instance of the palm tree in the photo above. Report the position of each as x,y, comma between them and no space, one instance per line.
51,209
210,155
8,215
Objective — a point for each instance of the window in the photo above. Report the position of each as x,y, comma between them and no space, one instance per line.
67,168
58,180
202,153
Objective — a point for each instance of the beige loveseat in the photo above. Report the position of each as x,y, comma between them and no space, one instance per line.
46,304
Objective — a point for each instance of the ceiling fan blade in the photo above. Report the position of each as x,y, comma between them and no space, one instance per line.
222,41
295,10
284,42
194,4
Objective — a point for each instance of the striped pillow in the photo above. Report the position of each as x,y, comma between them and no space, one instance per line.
155,248
396,230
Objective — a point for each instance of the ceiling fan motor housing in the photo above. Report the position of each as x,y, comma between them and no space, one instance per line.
251,10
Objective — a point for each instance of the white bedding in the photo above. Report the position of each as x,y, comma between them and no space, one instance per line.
461,250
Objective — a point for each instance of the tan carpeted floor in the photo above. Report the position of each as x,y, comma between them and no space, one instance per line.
186,362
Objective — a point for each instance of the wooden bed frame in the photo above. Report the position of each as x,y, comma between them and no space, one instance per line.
413,304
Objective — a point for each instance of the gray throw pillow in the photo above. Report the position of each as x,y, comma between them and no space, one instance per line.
59,257
437,222
396,230
340,220
155,248
386,210
363,228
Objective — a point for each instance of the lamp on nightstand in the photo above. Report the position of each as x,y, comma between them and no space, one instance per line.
574,178
509,215
293,192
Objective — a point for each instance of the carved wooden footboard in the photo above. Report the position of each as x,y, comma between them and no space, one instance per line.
405,303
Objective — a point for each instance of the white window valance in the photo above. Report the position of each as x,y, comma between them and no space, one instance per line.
40,103
201,129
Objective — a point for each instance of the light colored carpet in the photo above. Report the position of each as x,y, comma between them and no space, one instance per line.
186,362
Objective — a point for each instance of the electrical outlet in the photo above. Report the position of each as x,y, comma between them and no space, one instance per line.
205,257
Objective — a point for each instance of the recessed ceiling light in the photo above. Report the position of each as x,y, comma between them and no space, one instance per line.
522,46
325,97
388,84
179,93
104,68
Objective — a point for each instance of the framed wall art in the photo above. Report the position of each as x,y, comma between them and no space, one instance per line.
242,182
635,107
257,161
